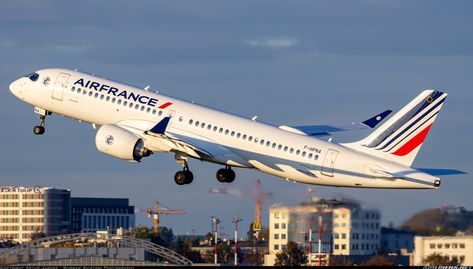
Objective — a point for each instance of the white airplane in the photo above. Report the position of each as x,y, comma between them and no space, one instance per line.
136,122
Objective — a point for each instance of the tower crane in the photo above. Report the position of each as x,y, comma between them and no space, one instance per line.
157,210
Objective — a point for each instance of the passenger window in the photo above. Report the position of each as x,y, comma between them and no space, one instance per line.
113,100
261,142
125,103
130,105
215,128
181,118
191,121
73,89
84,92
238,135
279,147
268,143
298,152
148,109
291,150
79,90
285,148
137,106
220,130
96,95
202,125
107,99
209,127
226,132
160,113
233,133
303,154
102,97
310,155
119,102
250,138
142,108
244,137
91,93
316,157
197,123
274,145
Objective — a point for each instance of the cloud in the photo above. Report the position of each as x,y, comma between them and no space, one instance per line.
273,43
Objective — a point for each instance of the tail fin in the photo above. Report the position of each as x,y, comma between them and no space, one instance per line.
399,139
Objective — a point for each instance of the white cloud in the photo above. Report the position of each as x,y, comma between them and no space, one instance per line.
273,43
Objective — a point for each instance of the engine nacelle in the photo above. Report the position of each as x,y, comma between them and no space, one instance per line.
120,143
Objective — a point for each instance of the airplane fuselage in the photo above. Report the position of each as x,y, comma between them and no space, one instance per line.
231,140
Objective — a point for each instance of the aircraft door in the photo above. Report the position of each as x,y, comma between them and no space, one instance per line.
329,162
60,85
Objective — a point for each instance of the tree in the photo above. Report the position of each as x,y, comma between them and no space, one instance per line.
292,256
140,231
379,260
164,237
263,233
224,254
183,246
437,259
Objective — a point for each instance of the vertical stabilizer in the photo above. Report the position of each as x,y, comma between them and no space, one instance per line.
400,138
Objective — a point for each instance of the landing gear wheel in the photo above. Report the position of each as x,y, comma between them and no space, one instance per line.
180,178
225,175
183,177
230,176
189,177
38,130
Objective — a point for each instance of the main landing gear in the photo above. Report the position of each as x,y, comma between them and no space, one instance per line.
185,176
226,175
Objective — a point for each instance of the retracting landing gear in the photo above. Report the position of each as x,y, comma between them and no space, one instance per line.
185,176
39,129
226,175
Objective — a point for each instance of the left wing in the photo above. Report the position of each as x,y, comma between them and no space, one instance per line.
159,139
320,130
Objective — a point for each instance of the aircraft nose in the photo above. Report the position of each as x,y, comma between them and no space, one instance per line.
15,87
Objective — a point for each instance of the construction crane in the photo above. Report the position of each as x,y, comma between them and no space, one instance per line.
157,210
259,197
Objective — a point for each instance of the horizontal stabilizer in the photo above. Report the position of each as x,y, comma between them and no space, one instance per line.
326,129
441,172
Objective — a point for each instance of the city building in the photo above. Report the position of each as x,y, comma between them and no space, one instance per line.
343,227
397,240
26,211
94,214
458,248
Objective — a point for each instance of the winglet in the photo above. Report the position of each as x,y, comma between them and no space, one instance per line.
373,121
161,126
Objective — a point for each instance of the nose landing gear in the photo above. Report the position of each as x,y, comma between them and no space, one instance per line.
39,129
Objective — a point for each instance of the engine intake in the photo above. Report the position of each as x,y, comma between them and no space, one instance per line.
120,143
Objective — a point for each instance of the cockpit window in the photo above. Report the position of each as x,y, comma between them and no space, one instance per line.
33,76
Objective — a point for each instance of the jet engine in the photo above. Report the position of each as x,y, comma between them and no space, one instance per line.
120,143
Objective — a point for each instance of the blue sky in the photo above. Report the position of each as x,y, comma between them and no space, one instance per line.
289,62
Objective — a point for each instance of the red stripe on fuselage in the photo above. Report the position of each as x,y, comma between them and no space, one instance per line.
163,106
413,143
